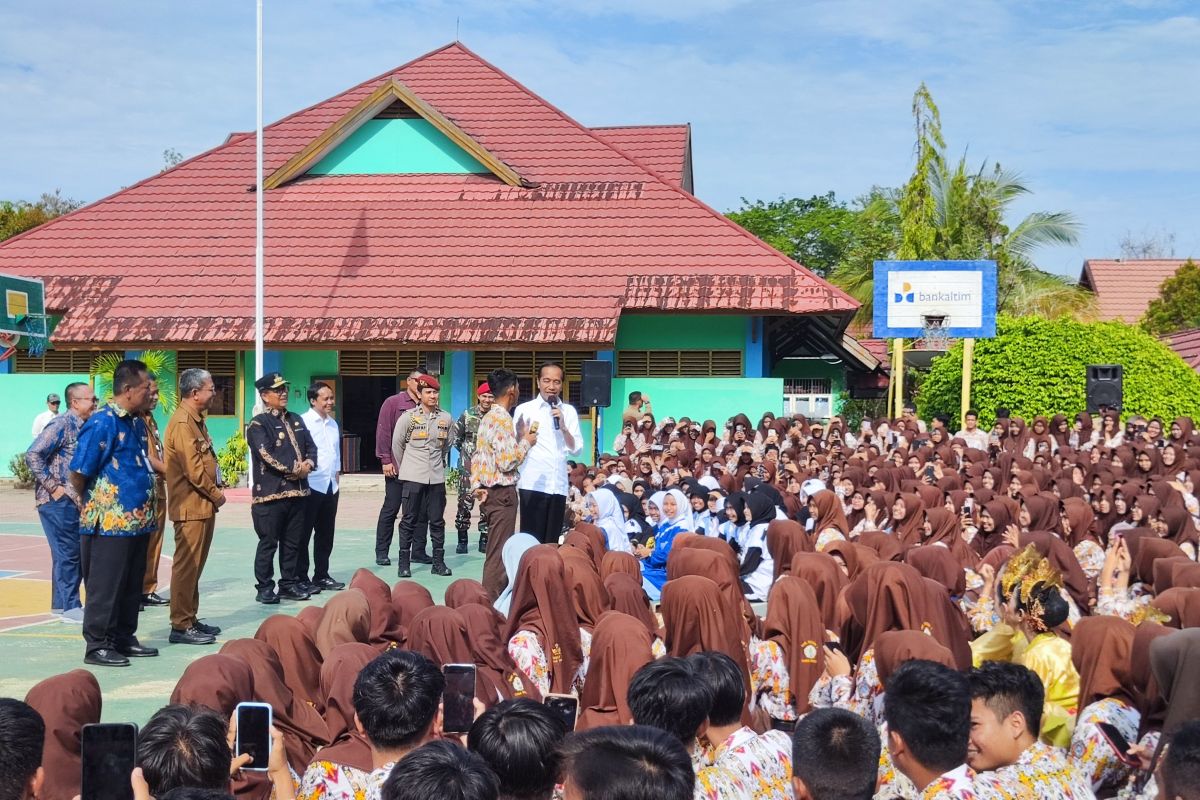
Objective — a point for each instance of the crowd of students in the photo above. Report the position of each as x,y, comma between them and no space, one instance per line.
941,621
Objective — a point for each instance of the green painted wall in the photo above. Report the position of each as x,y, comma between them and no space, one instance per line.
397,146
698,398
25,398
681,332
815,368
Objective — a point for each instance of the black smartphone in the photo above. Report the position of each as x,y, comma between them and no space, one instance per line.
109,754
458,706
929,473
837,646
254,735
1117,742
565,707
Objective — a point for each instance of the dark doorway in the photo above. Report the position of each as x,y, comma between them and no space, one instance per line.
359,404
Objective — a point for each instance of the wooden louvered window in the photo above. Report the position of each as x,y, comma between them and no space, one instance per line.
525,363
679,363
380,363
56,361
222,365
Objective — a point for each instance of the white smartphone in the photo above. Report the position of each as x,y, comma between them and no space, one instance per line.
254,734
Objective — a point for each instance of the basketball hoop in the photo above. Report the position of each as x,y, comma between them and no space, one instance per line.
935,334
34,326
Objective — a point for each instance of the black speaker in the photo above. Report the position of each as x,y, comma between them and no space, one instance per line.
1104,387
596,387
433,363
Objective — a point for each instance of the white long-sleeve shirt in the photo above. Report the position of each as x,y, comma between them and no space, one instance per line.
545,468
328,438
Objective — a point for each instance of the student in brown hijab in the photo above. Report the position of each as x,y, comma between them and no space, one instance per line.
66,702
886,596
1150,700
303,729
347,619
541,627
310,618
712,564
385,628
616,561
908,518
1175,662
628,597
794,637
946,622
409,598
1102,651
620,647
886,546
850,557
588,595
829,519
785,538
1181,604
894,648
349,752
1062,558
822,573
440,634
939,565
460,592
945,528
298,655
490,655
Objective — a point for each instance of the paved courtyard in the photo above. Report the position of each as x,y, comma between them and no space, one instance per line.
35,645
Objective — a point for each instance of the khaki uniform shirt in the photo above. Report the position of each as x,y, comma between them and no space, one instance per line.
421,445
192,490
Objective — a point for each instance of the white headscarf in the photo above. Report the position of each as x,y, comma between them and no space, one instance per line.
517,545
683,509
611,519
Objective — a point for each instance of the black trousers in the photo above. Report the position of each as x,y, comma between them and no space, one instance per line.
320,515
113,567
542,515
423,501
280,526
393,499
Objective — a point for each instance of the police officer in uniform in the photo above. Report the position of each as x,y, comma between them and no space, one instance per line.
466,430
421,448
283,454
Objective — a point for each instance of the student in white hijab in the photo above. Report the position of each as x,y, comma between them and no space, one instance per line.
517,545
610,518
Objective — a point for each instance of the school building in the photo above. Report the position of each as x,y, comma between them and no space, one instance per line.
440,216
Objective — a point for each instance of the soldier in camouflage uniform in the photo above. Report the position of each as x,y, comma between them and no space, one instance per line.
465,431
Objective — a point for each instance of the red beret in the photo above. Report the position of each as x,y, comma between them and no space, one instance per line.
428,382
483,389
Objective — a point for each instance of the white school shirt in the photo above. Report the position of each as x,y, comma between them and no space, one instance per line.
41,421
545,468
325,433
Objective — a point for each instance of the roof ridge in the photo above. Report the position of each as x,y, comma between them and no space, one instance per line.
631,127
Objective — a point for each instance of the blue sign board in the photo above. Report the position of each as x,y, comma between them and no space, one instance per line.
958,296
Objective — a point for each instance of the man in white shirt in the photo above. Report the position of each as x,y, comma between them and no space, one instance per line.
53,402
323,490
543,484
971,434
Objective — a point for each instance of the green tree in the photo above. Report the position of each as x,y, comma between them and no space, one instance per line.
20,216
161,364
917,204
1038,366
818,232
1177,306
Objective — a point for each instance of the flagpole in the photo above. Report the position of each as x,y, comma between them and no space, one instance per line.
258,200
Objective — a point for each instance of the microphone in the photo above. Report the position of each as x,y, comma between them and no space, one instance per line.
554,404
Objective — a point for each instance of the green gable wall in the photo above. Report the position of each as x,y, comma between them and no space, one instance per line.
397,146
681,332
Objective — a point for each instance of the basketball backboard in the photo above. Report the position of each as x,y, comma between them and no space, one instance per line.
20,300
956,297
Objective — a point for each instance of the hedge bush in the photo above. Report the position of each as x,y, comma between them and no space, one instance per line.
1038,366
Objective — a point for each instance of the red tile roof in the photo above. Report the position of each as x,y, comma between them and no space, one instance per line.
1187,345
420,259
1124,289
663,148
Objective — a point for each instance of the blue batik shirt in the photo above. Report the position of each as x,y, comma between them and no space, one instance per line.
111,454
49,457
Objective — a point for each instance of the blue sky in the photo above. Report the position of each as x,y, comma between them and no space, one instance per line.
1095,103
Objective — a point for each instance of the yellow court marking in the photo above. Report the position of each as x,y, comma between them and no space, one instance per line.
23,597
74,637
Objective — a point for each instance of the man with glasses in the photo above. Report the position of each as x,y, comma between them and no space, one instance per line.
49,459
284,455
53,403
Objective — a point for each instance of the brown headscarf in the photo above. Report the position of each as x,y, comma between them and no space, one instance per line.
946,529
1062,558
829,513
1101,650
947,622
217,682
1164,572
885,545
588,595
939,564
410,598
597,538
827,580
620,647
1150,700
628,597
490,654
385,628
886,596
910,531
298,655
310,618
347,619
537,606
794,623
785,538
303,729
1181,604
1081,519
1148,551
852,555
459,593
894,648
66,702
616,561
712,564
338,674
1175,661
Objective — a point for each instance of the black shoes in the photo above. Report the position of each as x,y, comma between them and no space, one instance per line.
483,544
308,587
421,557
267,597
403,570
136,650
192,635
293,593
383,562
441,569
106,658
153,599
330,584
461,549
211,630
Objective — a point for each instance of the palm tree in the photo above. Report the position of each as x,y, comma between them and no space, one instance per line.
160,363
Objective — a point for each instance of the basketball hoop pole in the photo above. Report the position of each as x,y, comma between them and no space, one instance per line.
968,362
898,378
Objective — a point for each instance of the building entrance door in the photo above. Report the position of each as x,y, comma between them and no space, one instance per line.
360,399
